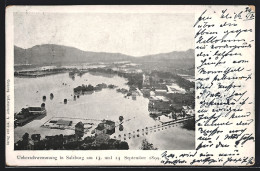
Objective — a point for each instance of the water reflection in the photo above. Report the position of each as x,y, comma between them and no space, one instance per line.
51,96
121,127
43,105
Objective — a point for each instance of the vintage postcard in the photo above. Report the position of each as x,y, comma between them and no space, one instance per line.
130,85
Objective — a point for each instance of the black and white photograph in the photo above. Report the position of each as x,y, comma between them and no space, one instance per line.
130,85
104,81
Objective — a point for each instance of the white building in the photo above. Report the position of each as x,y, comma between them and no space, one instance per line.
187,110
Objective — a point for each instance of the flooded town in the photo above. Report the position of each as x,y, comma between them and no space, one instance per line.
103,106
104,81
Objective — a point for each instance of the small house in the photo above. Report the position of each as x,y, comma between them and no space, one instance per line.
188,110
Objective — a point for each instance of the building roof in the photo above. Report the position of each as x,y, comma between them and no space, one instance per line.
109,122
160,90
160,105
158,98
100,127
63,122
160,86
185,107
164,118
31,109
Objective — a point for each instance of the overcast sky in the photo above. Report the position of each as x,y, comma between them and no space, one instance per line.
128,33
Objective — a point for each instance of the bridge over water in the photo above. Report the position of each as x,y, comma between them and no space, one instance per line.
151,129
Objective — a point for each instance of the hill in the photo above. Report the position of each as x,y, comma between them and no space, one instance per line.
49,54
57,54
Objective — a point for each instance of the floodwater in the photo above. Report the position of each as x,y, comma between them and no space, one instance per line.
105,104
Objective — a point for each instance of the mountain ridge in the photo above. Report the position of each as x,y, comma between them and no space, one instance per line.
59,54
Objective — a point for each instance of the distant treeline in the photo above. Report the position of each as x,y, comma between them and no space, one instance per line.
39,73
84,88
134,79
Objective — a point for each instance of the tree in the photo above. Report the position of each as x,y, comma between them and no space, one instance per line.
25,140
43,105
25,111
90,88
26,137
121,127
147,146
18,145
117,144
40,145
121,118
153,116
123,145
104,146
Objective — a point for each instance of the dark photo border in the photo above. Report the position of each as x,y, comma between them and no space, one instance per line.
7,3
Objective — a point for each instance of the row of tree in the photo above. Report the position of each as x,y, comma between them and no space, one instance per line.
57,142
84,88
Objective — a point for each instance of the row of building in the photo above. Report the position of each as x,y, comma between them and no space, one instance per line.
158,91
102,136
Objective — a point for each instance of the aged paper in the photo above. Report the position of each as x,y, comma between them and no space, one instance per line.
130,85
